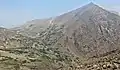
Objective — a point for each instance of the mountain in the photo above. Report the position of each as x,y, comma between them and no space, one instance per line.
90,30
33,27
86,38
94,30
117,13
28,53
5,35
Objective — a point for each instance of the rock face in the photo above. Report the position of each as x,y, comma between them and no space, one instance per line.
89,31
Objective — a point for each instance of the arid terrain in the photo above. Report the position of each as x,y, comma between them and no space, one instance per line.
87,38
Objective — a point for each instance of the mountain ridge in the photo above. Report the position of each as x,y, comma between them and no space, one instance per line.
89,18
83,39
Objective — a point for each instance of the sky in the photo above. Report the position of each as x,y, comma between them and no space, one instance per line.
17,12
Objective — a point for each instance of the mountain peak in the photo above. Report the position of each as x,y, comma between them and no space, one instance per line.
92,4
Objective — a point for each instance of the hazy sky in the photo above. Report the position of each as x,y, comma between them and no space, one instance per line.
17,12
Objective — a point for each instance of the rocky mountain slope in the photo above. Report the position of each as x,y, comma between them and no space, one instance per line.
31,28
83,39
117,13
26,53
89,30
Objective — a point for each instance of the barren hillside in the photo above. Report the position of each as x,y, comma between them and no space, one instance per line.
87,38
